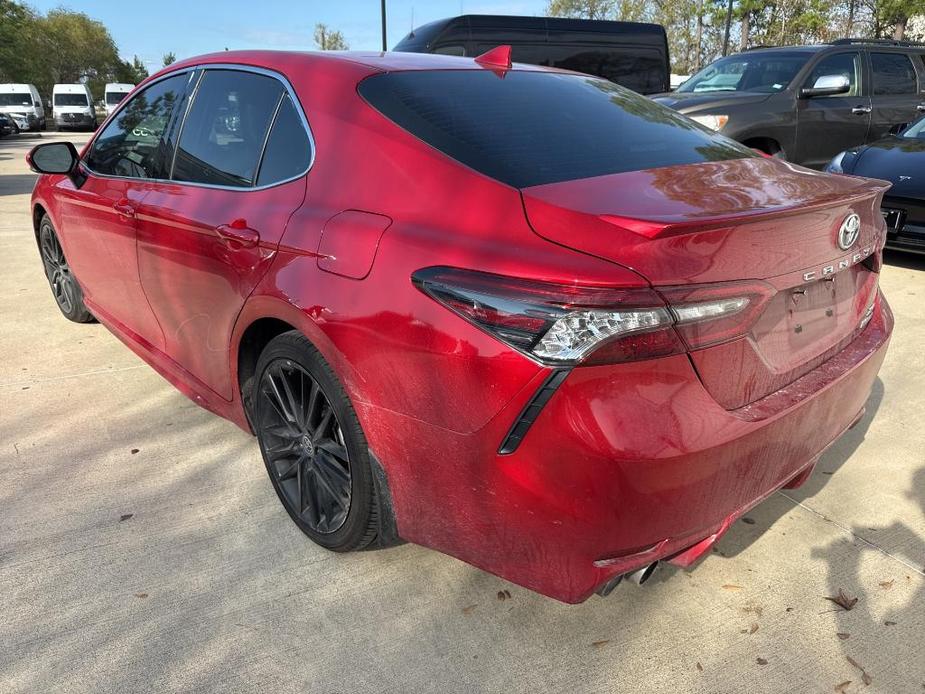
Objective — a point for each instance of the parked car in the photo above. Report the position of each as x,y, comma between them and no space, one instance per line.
114,93
807,103
23,105
72,106
899,159
550,327
632,54
6,125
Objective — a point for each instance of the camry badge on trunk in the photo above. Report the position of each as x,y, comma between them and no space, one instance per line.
849,231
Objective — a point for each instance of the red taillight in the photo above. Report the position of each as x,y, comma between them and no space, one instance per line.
568,324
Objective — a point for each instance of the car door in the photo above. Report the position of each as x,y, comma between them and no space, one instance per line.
207,236
826,125
895,93
97,219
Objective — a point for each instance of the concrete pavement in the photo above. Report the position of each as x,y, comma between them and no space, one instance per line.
143,549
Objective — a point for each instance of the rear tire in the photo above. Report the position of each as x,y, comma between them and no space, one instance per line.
314,449
64,286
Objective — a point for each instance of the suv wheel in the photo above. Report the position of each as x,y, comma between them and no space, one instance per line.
312,445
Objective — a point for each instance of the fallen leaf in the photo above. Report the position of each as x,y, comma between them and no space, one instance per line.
842,635
789,609
141,595
699,666
864,676
731,586
843,686
598,644
761,661
748,521
890,623
134,451
753,628
886,585
468,609
843,601
125,516
504,595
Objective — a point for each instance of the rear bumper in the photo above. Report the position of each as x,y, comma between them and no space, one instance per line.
625,464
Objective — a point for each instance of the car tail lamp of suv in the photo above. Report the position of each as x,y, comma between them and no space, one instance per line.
567,325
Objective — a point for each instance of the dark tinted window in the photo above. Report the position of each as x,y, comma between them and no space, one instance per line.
534,127
893,74
19,99
847,65
639,69
226,127
289,150
132,144
71,100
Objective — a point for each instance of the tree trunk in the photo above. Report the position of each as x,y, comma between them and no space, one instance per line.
850,27
698,40
899,29
743,35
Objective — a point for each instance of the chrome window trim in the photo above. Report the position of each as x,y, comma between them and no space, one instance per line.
287,87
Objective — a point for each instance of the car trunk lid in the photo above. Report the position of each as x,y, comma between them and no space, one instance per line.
750,219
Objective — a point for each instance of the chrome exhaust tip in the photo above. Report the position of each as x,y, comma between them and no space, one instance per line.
642,575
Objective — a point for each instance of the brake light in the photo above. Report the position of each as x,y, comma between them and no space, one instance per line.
567,324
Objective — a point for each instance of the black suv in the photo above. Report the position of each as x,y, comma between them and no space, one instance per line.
808,103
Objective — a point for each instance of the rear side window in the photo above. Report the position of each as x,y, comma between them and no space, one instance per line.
289,151
226,128
532,128
639,69
893,73
132,144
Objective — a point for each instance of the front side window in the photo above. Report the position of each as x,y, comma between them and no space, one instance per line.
537,127
71,100
451,49
289,151
748,72
847,65
893,74
226,128
132,144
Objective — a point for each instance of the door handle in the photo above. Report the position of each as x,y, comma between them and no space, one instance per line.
124,208
238,234
859,110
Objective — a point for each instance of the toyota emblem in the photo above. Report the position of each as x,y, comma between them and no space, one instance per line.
849,231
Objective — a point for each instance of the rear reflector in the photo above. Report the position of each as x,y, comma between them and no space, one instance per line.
567,325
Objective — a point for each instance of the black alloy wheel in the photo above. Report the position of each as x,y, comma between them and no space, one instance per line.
312,445
64,287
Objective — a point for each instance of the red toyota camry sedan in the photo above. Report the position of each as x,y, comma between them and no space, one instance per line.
521,316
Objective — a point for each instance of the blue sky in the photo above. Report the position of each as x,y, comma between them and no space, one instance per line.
191,27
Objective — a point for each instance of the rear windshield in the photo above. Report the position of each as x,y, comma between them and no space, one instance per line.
21,99
71,100
531,128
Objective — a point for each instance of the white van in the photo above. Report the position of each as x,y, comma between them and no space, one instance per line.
114,94
22,103
72,106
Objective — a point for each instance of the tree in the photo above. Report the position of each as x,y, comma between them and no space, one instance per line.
169,58
582,9
328,39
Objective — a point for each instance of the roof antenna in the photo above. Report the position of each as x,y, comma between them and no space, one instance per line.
497,59
411,34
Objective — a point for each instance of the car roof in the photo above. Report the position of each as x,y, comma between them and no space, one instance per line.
373,61
16,87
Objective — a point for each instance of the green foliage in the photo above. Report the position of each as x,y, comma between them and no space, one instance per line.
328,39
169,58
696,27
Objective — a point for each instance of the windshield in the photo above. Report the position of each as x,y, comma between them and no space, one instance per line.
916,131
15,100
113,98
532,128
765,74
71,100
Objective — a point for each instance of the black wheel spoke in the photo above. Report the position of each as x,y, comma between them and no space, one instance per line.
302,442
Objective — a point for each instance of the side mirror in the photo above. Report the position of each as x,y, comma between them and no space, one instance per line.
827,85
53,158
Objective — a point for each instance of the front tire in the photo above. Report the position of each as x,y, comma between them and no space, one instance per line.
64,286
313,447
